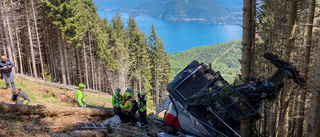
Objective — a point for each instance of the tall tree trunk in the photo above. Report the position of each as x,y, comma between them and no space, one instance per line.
15,26
140,79
313,125
253,37
65,53
302,99
3,40
6,32
283,128
38,39
156,82
9,25
272,25
247,41
63,71
79,66
91,62
292,114
52,53
85,65
99,77
18,40
29,63
34,67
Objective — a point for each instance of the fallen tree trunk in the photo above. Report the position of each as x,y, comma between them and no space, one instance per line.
57,85
54,111
81,133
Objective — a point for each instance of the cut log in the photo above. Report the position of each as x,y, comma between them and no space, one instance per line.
81,133
54,111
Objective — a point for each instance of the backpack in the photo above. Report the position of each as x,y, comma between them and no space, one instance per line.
134,105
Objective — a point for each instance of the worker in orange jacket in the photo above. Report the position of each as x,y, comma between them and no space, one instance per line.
130,108
124,96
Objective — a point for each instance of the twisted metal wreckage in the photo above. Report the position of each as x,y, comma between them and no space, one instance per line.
202,103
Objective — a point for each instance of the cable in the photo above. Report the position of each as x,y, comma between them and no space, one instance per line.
224,29
198,24
209,108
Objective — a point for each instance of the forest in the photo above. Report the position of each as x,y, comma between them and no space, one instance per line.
224,57
67,42
289,29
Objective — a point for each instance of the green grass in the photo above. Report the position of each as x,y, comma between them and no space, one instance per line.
16,122
39,97
98,96
94,104
46,96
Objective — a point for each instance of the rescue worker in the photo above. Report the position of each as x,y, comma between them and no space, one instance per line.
130,109
20,97
142,108
124,98
80,96
117,102
5,68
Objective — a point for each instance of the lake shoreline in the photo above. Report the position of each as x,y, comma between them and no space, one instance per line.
181,36
231,20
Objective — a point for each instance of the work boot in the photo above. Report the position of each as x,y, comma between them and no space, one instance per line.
12,85
8,85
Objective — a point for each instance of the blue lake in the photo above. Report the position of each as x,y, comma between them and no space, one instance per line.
180,36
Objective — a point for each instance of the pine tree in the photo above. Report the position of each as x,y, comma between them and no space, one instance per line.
119,48
159,60
139,60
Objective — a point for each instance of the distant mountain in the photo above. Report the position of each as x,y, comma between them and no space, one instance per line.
223,56
178,10
119,4
205,11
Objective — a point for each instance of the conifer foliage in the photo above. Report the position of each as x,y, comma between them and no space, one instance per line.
66,41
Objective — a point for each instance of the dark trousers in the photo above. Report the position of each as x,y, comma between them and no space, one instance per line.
117,111
143,117
126,116
132,117
9,76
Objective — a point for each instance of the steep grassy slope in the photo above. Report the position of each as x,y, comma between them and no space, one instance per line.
18,124
223,56
34,125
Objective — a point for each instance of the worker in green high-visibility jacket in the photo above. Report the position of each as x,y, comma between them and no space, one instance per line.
142,108
117,102
80,96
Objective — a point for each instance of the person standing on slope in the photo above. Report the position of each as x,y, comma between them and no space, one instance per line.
20,97
130,108
117,102
124,97
80,96
142,108
5,68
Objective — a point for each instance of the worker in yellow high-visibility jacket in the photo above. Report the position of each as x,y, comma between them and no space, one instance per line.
142,108
80,96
